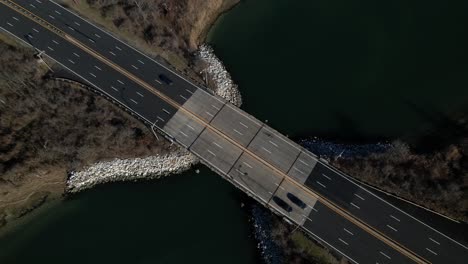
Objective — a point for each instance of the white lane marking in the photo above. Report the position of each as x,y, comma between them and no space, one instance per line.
120,82
211,153
15,18
216,144
301,172
321,184
191,127
347,231
72,62
344,242
385,255
235,130
114,88
326,177
242,124
210,114
92,74
33,6
303,162
140,94
189,91
112,53
215,107
273,143
359,196
183,133
51,16
141,62
160,118
246,164
58,12
433,240
76,23
71,28
167,112
30,36
54,41
39,1
240,172
97,35
134,67
8,23
431,251
92,40
266,150
392,228
355,206
395,218
134,101
313,209
97,67
76,54
117,47
159,81
50,48
183,97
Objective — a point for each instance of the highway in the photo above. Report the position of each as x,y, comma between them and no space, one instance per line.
254,157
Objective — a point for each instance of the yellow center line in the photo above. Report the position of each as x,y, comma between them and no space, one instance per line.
402,249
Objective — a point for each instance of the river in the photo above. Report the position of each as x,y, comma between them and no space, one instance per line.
344,70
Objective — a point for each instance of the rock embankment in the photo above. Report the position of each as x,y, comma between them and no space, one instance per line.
219,76
130,169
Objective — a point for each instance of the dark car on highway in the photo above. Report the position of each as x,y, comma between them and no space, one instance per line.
296,200
282,204
165,79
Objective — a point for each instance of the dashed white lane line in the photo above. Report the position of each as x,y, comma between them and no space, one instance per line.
183,97
342,241
431,251
57,12
72,62
244,125
8,23
112,53
359,196
313,209
235,130
50,48
15,18
324,175
117,47
160,118
39,1
134,101
392,228
190,92
183,133
134,67
97,67
156,80
301,172
303,162
347,231
140,94
218,145
92,74
165,111
267,150
215,107
191,127
76,23
76,55
211,153
115,88
92,40
35,30
97,35
51,16
395,218
141,62
355,206
321,184
435,241
71,28
248,165
31,5
210,114
30,36
54,41
119,81
385,255
273,143
240,172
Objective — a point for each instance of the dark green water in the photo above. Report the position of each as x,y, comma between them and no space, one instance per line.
336,68
347,69
188,218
